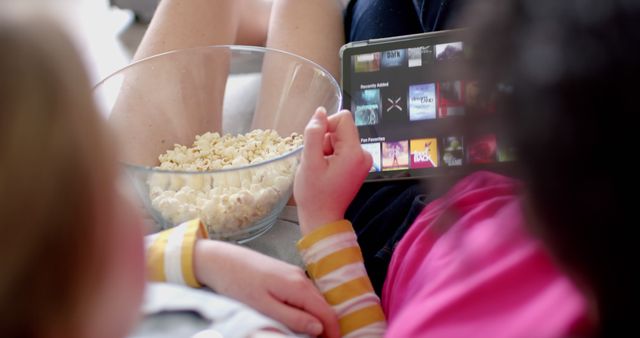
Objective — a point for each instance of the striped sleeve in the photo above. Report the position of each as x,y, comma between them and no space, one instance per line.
334,262
169,253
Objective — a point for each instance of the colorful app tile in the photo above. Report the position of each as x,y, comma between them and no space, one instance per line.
424,153
374,150
364,63
422,102
482,149
395,155
453,151
450,98
449,51
420,56
394,58
366,107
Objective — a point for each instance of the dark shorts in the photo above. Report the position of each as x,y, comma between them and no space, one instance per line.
372,19
381,214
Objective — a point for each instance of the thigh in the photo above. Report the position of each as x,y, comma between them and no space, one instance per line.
311,29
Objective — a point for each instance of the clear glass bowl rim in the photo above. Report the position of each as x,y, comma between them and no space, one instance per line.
263,50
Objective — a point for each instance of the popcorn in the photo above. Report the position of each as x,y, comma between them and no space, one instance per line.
226,201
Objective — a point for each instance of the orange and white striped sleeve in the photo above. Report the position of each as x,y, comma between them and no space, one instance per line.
169,253
334,262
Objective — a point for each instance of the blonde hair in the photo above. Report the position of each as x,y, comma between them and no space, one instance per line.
53,157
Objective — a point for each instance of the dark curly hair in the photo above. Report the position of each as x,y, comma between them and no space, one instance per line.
569,74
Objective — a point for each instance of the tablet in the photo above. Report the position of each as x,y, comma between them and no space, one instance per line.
419,109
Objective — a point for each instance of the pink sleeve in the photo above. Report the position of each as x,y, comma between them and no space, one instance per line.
467,267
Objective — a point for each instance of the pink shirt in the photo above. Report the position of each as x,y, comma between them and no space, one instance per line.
468,268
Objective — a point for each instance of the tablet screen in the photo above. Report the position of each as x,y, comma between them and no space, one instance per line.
419,110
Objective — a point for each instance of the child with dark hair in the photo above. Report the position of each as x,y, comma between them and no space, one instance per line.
548,256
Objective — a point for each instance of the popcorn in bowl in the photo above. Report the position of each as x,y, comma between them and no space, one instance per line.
225,200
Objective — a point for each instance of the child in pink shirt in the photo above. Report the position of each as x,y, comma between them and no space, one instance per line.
548,257
466,267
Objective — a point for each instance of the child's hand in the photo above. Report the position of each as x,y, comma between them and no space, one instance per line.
275,288
333,167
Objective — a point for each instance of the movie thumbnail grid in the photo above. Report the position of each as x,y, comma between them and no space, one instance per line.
433,152
408,57
424,101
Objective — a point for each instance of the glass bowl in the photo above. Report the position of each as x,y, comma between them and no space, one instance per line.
171,98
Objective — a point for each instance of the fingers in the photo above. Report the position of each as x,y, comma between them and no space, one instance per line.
318,307
300,292
346,140
343,128
314,138
327,147
368,159
335,118
294,318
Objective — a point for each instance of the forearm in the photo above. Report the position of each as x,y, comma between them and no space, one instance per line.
211,260
182,255
334,261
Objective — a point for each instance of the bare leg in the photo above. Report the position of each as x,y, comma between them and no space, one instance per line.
191,23
172,102
254,23
309,28
312,29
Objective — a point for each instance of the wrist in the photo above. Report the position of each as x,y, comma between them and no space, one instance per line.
205,262
311,222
